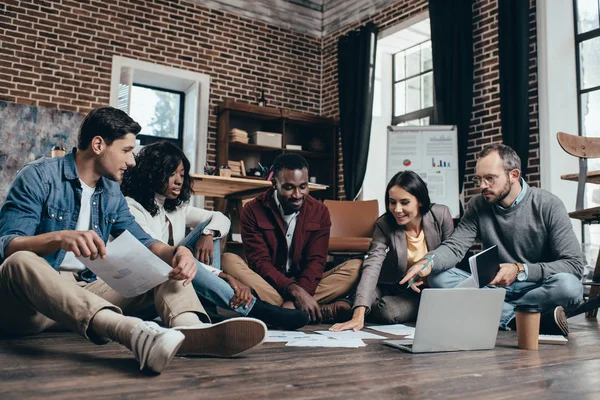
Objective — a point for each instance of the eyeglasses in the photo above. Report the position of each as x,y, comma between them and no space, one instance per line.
489,180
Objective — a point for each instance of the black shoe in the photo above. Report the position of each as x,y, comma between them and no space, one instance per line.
285,318
554,322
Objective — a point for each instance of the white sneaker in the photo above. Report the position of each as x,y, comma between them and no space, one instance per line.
154,346
225,339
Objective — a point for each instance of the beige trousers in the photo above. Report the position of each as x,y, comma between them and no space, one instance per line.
33,295
335,283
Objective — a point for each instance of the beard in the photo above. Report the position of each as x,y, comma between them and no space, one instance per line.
504,192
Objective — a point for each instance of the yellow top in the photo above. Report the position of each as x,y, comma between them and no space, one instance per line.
416,248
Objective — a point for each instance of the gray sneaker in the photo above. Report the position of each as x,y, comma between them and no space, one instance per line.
154,346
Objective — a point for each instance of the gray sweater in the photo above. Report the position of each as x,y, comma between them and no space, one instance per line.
537,232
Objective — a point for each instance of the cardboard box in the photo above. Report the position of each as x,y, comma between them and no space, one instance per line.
268,139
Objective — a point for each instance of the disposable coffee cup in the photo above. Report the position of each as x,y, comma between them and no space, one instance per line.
58,151
528,326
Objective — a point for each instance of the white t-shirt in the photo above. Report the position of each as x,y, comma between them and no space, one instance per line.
70,263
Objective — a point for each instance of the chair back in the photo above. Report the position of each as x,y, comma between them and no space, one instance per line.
352,218
579,146
352,224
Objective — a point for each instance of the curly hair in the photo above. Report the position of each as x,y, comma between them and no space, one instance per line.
155,164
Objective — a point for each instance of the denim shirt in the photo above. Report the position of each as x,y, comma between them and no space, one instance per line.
46,197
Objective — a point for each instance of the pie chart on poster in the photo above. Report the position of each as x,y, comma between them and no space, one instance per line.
406,163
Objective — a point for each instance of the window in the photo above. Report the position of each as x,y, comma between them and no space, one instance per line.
170,104
587,47
587,50
413,86
160,113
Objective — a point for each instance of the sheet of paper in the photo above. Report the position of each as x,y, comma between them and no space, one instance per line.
397,329
129,267
324,341
351,335
274,336
468,283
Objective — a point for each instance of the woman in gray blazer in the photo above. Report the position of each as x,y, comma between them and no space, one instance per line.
410,228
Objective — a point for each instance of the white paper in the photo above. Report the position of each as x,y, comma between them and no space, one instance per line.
468,283
351,335
397,329
274,336
324,341
129,267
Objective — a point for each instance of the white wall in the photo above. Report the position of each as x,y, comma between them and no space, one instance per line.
557,92
375,178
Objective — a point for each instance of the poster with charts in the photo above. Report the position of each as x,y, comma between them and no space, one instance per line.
430,151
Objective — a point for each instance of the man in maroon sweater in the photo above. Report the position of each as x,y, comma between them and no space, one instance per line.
285,233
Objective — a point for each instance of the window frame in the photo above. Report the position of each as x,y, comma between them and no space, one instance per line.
417,114
149,139
580,38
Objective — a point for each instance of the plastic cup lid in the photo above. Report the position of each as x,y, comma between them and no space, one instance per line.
532,308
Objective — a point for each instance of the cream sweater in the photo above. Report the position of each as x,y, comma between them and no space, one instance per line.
184,216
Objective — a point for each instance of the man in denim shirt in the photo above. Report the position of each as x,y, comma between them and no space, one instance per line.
64,207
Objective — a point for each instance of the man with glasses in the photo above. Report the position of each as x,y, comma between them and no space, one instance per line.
541,259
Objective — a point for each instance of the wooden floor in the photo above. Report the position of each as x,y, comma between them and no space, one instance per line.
65,366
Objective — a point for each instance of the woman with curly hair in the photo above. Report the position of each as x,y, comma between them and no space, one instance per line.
158,190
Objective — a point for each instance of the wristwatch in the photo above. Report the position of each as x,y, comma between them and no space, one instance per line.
521,275
207,232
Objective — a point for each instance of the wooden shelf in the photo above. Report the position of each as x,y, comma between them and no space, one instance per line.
222,187
250,110
252,147
587,215
306,130
592,177
309,154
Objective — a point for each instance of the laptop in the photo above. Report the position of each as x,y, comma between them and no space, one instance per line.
454,320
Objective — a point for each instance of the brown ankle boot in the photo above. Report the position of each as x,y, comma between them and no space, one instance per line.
338,311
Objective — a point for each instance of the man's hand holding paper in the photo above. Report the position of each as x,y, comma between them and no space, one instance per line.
131,269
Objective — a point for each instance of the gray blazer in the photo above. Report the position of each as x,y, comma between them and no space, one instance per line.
387,257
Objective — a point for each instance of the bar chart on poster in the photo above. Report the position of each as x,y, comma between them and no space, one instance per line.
430,151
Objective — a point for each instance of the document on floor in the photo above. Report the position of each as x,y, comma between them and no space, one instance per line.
324,341
397,329
129,267
350,335
274,336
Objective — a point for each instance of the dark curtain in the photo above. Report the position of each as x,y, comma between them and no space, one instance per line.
513,38
356,77
452,52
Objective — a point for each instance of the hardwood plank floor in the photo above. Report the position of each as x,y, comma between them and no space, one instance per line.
66,366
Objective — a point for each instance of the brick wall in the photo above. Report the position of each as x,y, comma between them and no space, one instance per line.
485,120
59,53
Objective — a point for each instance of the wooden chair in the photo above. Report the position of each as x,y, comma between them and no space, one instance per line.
352,224
584,148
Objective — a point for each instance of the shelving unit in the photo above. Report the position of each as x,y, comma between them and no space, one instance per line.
317,135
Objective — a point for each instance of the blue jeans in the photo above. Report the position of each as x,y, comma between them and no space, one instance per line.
562,289
208,285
